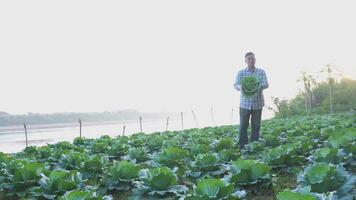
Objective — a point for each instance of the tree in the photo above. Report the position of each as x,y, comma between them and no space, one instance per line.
309,82
330,81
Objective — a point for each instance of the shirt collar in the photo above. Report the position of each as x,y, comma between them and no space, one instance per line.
254,70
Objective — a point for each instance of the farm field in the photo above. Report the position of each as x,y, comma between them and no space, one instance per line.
297,158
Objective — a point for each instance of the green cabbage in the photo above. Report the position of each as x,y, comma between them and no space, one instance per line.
289,195
124,170
248,171
250,85
160,178
215,189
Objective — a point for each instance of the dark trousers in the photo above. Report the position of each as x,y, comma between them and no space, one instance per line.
245,115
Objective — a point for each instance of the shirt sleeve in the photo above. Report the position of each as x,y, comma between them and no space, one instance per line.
264,82
237,84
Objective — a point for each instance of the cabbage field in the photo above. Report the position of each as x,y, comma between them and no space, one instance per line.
300,158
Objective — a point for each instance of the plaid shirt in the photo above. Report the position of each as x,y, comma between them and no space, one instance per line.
256,102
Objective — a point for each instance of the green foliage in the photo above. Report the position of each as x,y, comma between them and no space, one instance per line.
323,177
250,86
82,195
121,176
160,178
284,155
225,143
172,157
167,165
207,162
343,99
124,170
289,195
214,189
138,154
248,171
328,155
27,175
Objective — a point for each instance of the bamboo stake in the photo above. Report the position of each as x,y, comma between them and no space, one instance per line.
195,119
80,127
232,116
141,124
181,116
123,130
167,123
24,125
212,116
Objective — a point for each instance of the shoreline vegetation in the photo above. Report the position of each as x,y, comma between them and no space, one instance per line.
19,128
14,123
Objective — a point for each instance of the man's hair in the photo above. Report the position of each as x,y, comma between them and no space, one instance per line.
249,54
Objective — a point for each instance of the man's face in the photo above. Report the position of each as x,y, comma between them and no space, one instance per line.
250,60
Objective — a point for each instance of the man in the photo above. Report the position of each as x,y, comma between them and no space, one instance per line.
250,106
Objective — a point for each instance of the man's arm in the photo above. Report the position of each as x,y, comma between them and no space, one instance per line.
237,84
264,81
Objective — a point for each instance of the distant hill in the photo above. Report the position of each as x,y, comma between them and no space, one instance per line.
58,118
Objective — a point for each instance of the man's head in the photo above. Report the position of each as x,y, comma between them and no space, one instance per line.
250,59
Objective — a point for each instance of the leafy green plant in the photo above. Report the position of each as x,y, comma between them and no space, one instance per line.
250,85
121,175
228,155
323,177
207,162
254,147
284,155
83,195
94,166
28,175
215,189
160,178
328,155
160,181
247,172
73,160
57,183
289,195
224,143
205,165
171,157
22,178
100,147
196,149
138,154
118,148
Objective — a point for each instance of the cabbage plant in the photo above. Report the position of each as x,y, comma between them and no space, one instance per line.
250,85
171,157
83,195
284,155
121,176
160,181
247,172
289,195
328,155
215,189
323,178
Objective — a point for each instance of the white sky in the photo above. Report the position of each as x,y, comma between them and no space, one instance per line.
80,56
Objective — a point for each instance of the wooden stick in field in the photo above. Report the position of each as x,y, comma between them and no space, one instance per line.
123,131
24,125
167,123
212,116
80,127
181,116
141,124
232,116
195,119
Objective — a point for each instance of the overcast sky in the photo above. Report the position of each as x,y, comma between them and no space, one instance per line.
81,56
